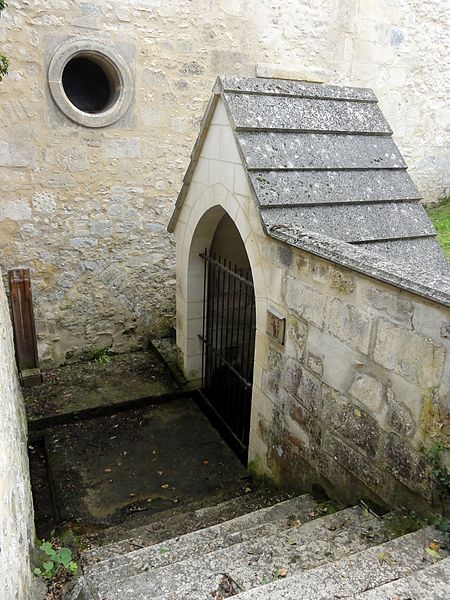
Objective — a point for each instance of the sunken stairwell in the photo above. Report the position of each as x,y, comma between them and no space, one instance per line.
286,551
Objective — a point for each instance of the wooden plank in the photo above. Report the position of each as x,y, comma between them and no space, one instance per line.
24,325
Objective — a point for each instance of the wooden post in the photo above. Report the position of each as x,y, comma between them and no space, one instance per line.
24,326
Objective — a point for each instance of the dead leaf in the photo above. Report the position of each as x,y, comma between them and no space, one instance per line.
160,472
434,545
132,494
206,462
282,572
108,470
385,557
165,486
357,412
432,553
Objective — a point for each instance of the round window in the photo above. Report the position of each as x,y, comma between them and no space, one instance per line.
90,82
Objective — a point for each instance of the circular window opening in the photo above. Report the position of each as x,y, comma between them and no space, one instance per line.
87,85
90,82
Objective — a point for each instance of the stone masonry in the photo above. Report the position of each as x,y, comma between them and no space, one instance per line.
16,509
361,385
86,209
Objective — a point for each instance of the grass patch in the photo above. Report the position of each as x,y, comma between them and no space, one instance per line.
441,220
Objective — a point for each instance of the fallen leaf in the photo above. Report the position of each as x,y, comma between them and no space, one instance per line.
434,545
108,470
206,462
386,557
292,542
160,472
132,494
248,490
432,552
282,572
297,523
165,486
357,412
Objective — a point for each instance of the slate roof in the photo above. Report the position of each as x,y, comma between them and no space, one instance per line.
322,162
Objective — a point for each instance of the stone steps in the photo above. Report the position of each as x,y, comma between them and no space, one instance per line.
155,528
249,527
353,576
253,563
282,551
431,583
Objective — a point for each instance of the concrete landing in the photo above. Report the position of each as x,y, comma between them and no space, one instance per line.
151,459
106,384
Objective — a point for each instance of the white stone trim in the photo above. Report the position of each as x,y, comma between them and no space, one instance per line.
113,64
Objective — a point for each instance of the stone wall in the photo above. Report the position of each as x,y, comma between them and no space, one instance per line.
362,382
16,510
359,388
86,209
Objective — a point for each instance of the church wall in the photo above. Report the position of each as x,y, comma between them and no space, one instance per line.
86,209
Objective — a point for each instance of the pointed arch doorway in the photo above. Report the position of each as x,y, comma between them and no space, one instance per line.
228,335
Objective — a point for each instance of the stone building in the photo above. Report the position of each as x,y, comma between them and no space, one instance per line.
313,298
89,175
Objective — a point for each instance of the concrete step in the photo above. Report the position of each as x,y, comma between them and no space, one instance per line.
253,563
161,526
246,528
351,576
431,583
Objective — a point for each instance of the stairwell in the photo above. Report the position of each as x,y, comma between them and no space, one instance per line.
288,550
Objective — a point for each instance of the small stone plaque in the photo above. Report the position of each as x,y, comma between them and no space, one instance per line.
276,327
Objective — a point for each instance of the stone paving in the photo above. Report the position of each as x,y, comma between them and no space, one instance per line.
106,383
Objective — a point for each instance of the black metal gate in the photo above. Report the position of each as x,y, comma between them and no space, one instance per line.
229,324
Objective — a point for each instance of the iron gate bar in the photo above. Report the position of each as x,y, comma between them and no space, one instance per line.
225,268
228,336
229,365
242,447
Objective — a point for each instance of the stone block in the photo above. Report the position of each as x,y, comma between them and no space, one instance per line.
368,391
305,301
302,417
123,147
432,322
296,334
309,392
350,325
341,282
228,148
16,155
16,210
102,228
395,305
44,202
412,356
291,375
339,362
315,364
271,379
354,425
362,468
211,145
399,417
74,158
407,465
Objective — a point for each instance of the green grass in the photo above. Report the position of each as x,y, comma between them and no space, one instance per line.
441,220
